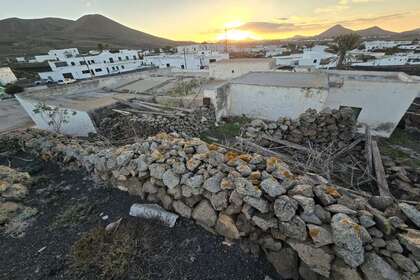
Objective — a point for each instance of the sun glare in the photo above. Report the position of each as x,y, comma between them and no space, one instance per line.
237,35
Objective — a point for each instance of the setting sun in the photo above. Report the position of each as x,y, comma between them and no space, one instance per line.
237,35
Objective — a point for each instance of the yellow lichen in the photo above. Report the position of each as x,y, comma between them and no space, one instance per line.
332,191
231,155
245,157
314,232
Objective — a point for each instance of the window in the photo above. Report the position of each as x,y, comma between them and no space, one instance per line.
119,58
168,65
118,68
61,64
113,68
111,60
182,67
92,61
211,60
134,57
98,70
104,61
356,111
68,76
85,72
127,58
122,67
315,60
82,62
89,62
73,64
233,71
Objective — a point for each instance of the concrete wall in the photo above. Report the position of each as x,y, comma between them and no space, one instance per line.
226,70
273,102
383,103
7,76
79,124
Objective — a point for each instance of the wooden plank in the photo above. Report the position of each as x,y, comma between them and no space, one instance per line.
348,148
368,150
264,151
125,113
379,170
164,107
286,143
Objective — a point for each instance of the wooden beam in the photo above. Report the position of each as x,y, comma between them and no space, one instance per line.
368,150
286,143
379,170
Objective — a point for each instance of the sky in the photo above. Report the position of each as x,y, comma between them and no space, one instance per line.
208,20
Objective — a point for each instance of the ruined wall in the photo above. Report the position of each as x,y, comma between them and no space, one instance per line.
273,102
307,228
412,117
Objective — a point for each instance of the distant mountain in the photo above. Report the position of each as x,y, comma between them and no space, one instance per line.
414,34
371,32
334,31
32,36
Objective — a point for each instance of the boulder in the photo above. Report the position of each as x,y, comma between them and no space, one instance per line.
285,262
170,179
411,212
321,236
296,228
347,240
341,271
375,268
182,209
258,203
285,208
226,227
245,187
204,214
272,187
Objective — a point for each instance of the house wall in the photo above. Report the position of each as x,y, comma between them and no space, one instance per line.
270,103
383,103
79,124
7,76
226,70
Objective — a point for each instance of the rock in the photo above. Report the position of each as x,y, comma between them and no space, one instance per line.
7,211
311,218
219,201
304,190
204,214
157,170
366,221
322,193
296,228
405,263
153,211
285,262
285,208
306,273
212,184
15,191
246,188
195,182
381,202
393,245
170,179
179,168
382,223
193,164
320,235
378,243
307,203
258,203
341,271
347,240
216,158
226,227
322,214
411,241
272,187
244,170
269,243
226,184
375,268
182,209
338,208
411,212
317,259
264,224
149,187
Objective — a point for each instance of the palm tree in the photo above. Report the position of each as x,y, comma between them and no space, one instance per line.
343,44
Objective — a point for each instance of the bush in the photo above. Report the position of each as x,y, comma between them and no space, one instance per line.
13,89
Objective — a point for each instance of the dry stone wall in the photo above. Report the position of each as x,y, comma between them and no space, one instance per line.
307,228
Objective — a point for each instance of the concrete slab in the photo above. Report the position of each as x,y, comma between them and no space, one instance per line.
13,116
145,84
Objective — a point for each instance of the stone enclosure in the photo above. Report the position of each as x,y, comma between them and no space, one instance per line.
307,228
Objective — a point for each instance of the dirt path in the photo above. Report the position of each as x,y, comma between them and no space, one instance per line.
70,204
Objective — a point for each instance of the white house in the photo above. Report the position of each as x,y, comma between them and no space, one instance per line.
61,54
397,59
185,61
7,76
379,45
233,68
200,48
74,66
379,99
313,57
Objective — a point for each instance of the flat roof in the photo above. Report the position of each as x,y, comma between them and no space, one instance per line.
284,79
372,75
245,60
86,101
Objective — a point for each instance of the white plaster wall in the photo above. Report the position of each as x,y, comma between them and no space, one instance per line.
230,70
383,103
7,76
78,125
273,102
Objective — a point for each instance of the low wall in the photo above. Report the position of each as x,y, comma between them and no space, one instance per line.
307,228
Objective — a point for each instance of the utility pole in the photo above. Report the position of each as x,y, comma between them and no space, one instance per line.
226,40
185,59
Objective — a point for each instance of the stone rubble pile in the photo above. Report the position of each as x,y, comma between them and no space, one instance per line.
405,179
307,228
327,126
14,215
116,126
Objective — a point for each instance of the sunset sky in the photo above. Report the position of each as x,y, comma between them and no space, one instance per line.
205,20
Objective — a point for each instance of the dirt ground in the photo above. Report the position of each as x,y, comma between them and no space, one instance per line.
70,205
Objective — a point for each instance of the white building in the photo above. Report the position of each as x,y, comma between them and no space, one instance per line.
62,54
20,59
7,76
397,59
186,61
316,56
229,69
380,99
379,45
74,66
200,48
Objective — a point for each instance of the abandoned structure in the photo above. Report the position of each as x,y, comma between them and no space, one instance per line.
233,68
378,99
